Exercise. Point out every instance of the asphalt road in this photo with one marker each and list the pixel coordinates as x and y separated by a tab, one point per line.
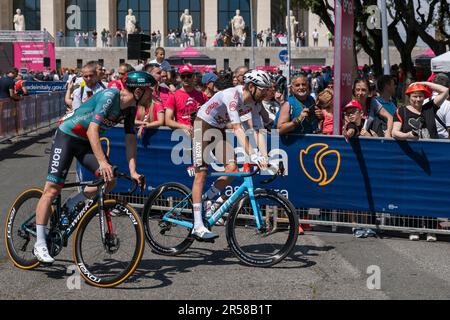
324	265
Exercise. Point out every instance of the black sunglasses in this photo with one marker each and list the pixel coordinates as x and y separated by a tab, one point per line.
187	76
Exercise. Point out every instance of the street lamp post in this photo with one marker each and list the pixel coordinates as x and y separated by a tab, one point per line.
289	31
384	28
253	64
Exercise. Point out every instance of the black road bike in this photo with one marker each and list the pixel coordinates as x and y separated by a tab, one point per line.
108	242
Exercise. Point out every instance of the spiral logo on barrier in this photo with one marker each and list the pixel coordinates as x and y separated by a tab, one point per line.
108	145
320	156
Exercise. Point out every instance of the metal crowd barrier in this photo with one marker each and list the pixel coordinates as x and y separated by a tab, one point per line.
426	160
342	218
30	114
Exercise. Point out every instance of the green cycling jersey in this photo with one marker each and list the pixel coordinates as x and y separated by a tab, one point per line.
102	109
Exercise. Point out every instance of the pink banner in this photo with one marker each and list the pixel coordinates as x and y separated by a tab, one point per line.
347	52
344	10
31	55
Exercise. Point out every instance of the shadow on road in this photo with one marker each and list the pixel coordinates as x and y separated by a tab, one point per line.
9	152
164	269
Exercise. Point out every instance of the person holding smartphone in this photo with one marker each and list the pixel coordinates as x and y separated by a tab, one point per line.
89	86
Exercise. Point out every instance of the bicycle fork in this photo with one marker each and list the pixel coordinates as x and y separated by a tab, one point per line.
104	215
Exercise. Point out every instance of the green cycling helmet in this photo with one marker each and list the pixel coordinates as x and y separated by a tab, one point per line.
139	79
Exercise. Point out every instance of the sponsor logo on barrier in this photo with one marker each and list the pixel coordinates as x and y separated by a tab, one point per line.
44	87
320	155
108	145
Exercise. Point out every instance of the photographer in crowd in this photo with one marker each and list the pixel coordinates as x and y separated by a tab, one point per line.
300	115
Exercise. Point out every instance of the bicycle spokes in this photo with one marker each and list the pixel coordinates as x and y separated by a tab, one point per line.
269	241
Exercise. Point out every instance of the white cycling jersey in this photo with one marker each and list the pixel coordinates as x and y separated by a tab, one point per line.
227	107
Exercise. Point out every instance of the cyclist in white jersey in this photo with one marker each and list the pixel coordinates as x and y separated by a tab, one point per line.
222	111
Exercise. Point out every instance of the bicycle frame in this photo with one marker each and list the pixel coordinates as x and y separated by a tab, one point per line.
99	198
247	185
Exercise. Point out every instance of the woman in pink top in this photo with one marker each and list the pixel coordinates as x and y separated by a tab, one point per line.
149	117
325	102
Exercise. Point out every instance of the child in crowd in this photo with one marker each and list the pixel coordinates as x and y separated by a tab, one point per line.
353	120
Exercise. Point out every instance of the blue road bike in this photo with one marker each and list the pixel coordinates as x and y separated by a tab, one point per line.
261	225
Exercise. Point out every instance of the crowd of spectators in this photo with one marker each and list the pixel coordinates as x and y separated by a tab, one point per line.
184	39
196	38
382	106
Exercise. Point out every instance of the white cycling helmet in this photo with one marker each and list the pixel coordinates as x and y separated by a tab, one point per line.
259	78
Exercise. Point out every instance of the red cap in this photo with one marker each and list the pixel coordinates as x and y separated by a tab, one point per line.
419	87
187	68
354	104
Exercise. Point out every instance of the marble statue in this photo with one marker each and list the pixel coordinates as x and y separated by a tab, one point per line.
238	24
130	22
186	19
19	21
290	20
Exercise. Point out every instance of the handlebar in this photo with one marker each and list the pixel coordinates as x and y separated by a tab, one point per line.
245	174
117	174
280	173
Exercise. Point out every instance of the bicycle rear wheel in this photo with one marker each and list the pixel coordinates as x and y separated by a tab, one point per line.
109	264
273	241
167	238
20	229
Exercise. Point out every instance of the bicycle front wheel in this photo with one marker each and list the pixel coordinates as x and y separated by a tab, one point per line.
276	237
168	238
110	262
20	229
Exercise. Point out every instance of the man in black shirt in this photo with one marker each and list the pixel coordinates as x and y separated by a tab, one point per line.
7	86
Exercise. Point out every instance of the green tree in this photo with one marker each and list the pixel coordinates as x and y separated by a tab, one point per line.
411	15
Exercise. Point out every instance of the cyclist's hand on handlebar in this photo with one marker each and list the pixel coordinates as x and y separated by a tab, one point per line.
140	179
259	160
106	171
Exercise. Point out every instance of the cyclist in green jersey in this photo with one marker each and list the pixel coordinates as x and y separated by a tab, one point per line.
79	136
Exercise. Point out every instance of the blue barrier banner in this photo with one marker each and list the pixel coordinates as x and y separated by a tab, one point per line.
371	175
35	87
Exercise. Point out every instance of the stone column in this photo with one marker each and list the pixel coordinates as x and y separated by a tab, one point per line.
7	12
211	16
158	18
53	14
314	22
263	18
105	15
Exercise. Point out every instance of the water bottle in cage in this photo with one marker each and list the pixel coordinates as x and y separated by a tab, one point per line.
216	205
